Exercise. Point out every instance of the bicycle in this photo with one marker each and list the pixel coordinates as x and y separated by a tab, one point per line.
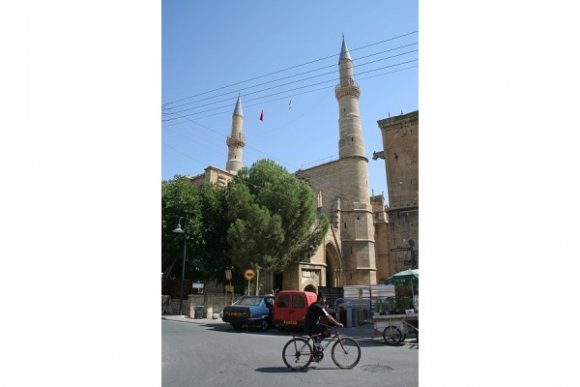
298	353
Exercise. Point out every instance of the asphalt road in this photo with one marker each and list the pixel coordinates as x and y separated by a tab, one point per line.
214	354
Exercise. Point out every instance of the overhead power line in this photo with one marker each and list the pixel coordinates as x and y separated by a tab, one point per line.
334	79
170	111
167	104
174	114
313	179
333	66
227	109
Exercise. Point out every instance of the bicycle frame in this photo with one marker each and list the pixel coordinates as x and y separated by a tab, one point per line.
298	352
330	339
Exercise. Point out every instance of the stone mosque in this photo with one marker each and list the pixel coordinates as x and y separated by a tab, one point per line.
367	241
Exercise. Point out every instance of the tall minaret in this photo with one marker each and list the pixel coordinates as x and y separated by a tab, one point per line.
357	228
351	144
236	140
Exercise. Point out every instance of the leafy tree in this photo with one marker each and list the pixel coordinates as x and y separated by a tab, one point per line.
265	219
204	221
273	218
179	200
212	254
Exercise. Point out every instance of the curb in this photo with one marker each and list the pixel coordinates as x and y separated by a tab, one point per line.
185	318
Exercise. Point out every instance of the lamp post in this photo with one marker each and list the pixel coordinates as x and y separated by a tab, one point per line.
179	230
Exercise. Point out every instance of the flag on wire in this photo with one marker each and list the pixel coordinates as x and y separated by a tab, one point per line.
262	116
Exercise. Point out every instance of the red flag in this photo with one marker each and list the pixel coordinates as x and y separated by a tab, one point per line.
262	116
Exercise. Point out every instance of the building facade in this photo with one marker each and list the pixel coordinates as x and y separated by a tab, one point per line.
348	255
401	154
355	250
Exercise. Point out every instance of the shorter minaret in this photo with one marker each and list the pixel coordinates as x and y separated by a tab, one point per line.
236	140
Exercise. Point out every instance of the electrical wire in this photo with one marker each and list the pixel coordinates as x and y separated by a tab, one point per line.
290	68
318	181
288	77
334	80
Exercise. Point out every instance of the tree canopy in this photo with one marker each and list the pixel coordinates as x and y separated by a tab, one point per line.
202	211
264	219
274	219
180	203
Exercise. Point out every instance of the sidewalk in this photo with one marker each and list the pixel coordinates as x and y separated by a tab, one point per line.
363	332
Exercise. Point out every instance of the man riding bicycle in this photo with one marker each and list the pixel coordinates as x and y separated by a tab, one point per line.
313	314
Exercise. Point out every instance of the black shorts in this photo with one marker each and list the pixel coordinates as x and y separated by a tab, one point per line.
320	328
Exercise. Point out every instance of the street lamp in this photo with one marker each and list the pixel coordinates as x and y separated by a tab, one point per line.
179	230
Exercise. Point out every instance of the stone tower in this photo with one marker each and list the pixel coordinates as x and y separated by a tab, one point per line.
236	140
347	255
401	154
357	228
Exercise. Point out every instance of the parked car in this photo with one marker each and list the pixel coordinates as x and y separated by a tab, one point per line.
290	308
250	311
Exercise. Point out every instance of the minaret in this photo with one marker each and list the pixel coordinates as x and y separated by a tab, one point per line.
357	228
236	140
351	142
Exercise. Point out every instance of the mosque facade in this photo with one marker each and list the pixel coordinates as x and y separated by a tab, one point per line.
359	248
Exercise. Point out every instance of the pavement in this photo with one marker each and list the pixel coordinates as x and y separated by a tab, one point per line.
363	332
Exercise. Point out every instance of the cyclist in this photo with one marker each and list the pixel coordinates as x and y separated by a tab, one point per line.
311	320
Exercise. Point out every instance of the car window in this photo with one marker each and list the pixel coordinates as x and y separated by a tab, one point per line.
283	301
250	301
298	301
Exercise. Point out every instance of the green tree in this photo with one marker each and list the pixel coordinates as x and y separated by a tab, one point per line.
212	253
179	200
264	219
273	218
202	210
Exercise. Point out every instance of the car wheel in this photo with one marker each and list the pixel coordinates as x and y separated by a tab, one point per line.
264	325
237	326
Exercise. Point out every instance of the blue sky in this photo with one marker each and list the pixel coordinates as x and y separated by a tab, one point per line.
271	54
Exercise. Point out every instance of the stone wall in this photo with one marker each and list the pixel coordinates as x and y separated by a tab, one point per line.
401	153
212	303
342	186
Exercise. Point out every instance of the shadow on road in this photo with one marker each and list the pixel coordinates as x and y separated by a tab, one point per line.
286	370
275	370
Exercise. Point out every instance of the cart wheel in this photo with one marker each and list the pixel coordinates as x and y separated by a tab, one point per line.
403	337
392	335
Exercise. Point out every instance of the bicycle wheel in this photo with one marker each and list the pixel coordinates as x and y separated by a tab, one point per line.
392	335
346	353
297	354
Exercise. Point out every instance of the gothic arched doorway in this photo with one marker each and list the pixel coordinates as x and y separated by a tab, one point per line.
333	267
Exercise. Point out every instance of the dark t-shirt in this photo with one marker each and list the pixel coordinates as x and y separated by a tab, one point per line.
314	312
